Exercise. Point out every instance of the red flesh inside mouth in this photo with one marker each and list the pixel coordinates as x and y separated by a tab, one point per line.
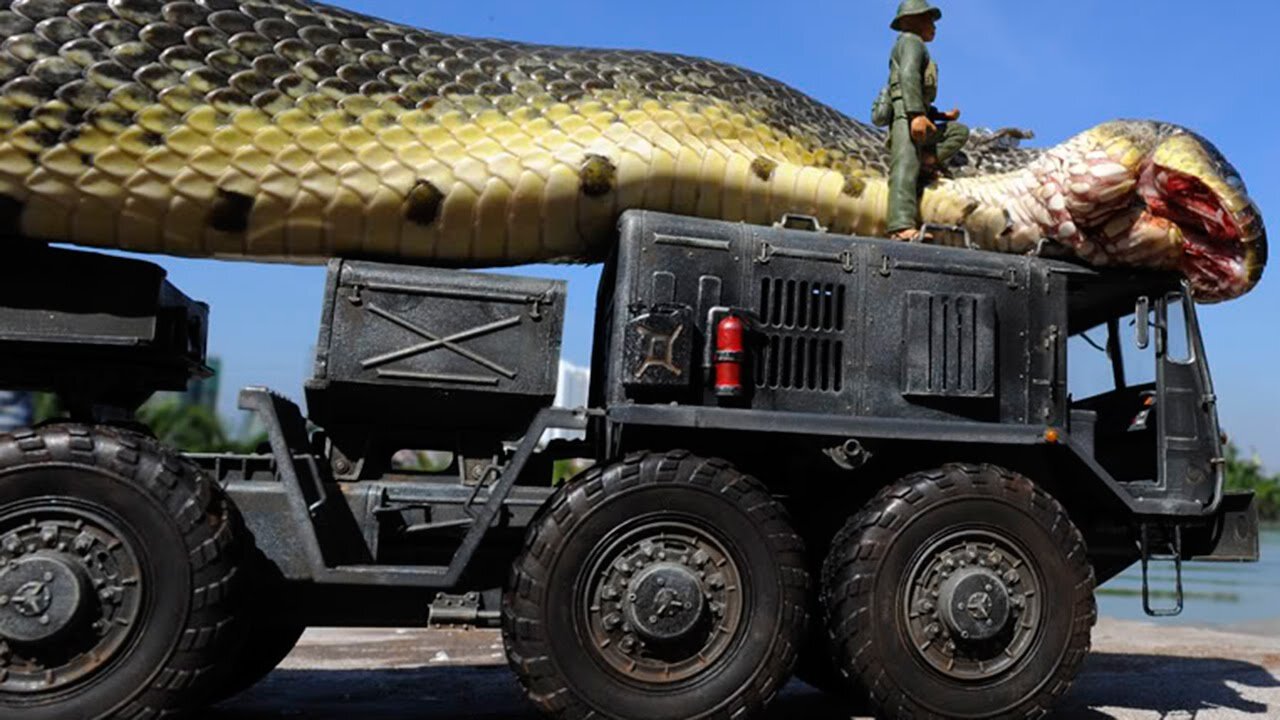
1214	258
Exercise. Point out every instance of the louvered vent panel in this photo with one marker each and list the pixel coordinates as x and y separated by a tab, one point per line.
802	322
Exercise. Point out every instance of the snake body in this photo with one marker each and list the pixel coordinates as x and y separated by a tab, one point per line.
288	130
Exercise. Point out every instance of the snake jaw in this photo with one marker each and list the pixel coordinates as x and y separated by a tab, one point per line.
1186	184
1130	194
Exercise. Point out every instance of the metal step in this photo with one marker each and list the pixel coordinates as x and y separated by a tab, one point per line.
1174	556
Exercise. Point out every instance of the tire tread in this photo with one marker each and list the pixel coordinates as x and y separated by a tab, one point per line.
849	568
206	519
528	651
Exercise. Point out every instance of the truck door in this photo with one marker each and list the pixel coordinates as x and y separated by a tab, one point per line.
1190	443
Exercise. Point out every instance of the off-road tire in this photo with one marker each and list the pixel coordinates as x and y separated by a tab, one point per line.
564	675
266	637
863	607
817	669
185	532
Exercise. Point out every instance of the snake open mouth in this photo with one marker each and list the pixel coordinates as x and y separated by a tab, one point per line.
1223	250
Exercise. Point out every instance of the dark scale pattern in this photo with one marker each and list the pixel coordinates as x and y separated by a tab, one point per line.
236	54
288	129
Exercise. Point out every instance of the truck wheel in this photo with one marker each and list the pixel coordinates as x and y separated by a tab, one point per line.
267	646
817	669
267	637
118	576
963	592
662	587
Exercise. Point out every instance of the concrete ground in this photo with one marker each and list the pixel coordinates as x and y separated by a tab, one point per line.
1137	671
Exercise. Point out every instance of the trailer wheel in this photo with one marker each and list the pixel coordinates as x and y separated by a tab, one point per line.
662	587
118	576
963	592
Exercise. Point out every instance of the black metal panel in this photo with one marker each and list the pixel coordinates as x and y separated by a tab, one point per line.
1235	537
96	328
849	325
1191	458
950	349
435	348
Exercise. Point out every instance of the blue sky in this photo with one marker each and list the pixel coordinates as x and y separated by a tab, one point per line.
1055	67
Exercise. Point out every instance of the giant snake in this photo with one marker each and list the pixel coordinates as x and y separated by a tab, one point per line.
288	130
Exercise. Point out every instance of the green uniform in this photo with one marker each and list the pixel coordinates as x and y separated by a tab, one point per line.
913	88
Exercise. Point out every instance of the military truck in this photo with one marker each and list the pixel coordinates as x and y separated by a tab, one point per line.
856	457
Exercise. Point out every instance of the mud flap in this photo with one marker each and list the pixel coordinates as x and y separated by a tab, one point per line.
1234	538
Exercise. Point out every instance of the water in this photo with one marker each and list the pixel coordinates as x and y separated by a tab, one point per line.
1237	596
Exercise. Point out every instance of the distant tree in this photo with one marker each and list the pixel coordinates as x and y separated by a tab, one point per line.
191	428
1247	474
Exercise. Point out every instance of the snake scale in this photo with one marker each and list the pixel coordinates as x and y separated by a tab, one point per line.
294	131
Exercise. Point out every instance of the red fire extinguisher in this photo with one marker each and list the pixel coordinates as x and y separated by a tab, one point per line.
730	352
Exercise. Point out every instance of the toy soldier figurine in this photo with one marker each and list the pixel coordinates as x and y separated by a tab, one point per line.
915	141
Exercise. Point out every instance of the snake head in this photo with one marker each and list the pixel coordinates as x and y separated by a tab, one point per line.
1195	197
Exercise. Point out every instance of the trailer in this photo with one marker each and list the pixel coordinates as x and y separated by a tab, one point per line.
850	458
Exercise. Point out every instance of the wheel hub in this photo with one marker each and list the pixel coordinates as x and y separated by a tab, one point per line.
662	601
972	604
975	603
70	594
665	602
41	595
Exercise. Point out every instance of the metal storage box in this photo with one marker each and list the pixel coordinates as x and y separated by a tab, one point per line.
422	347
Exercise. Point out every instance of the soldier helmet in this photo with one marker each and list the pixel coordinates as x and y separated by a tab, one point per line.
914	7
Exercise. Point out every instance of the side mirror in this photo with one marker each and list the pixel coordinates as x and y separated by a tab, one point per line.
1142	317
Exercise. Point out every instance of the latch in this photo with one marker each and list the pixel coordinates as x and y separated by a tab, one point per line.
797	221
